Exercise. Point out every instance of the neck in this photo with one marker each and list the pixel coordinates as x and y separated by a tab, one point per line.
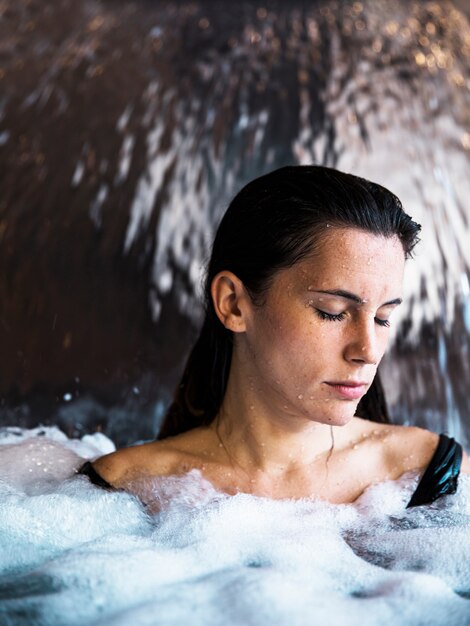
259	433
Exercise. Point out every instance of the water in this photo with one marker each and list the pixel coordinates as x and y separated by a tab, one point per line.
101	251
72	553
125	128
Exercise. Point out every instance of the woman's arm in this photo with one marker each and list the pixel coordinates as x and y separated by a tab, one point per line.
150	459
465	467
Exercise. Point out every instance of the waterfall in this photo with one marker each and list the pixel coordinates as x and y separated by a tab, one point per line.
125	128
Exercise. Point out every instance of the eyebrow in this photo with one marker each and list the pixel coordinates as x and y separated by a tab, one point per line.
352	296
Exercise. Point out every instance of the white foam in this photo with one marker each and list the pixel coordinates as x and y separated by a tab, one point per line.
72	553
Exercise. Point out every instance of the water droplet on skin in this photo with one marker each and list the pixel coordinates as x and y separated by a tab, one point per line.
252	406
300	396
310	288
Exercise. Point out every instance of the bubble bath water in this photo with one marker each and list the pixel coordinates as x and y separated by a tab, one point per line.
74	554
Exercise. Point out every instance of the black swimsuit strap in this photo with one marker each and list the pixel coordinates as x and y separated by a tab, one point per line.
441	475
87	469
439	479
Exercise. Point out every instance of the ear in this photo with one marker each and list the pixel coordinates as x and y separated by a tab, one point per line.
231	301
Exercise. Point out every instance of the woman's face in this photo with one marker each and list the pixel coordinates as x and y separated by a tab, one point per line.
312	349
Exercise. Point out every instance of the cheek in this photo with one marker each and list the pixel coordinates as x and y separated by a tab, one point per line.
266	337
294	340
310	346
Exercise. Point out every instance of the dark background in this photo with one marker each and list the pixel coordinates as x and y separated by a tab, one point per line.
125	127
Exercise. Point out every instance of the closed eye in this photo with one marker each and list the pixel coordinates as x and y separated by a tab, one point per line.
382	322
330	316
337	317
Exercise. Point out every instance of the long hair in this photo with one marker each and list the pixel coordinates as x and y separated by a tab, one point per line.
272	223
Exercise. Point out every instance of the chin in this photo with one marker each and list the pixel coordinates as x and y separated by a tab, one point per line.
340	417
341	420
344	413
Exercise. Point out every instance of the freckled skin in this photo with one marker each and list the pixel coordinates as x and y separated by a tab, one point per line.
290	351
272	436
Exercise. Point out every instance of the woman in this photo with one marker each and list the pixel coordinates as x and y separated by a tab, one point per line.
280	396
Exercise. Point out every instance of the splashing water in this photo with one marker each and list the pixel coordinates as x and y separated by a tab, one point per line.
168	129
74	554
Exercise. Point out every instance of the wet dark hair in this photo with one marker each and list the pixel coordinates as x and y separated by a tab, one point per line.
272	223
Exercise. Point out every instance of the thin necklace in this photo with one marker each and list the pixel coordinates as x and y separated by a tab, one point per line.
235	462
230	457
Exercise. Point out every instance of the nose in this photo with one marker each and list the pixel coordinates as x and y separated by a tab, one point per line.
363	346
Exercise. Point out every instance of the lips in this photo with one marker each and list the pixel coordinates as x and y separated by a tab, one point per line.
349	390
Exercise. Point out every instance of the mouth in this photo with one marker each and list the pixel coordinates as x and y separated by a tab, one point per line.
349	390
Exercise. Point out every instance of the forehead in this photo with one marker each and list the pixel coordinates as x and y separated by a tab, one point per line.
345	258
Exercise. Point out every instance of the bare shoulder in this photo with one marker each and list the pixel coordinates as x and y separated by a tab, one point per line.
420	444
400	440
410	448
157	458
465	467
174	455
413	440
398	449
